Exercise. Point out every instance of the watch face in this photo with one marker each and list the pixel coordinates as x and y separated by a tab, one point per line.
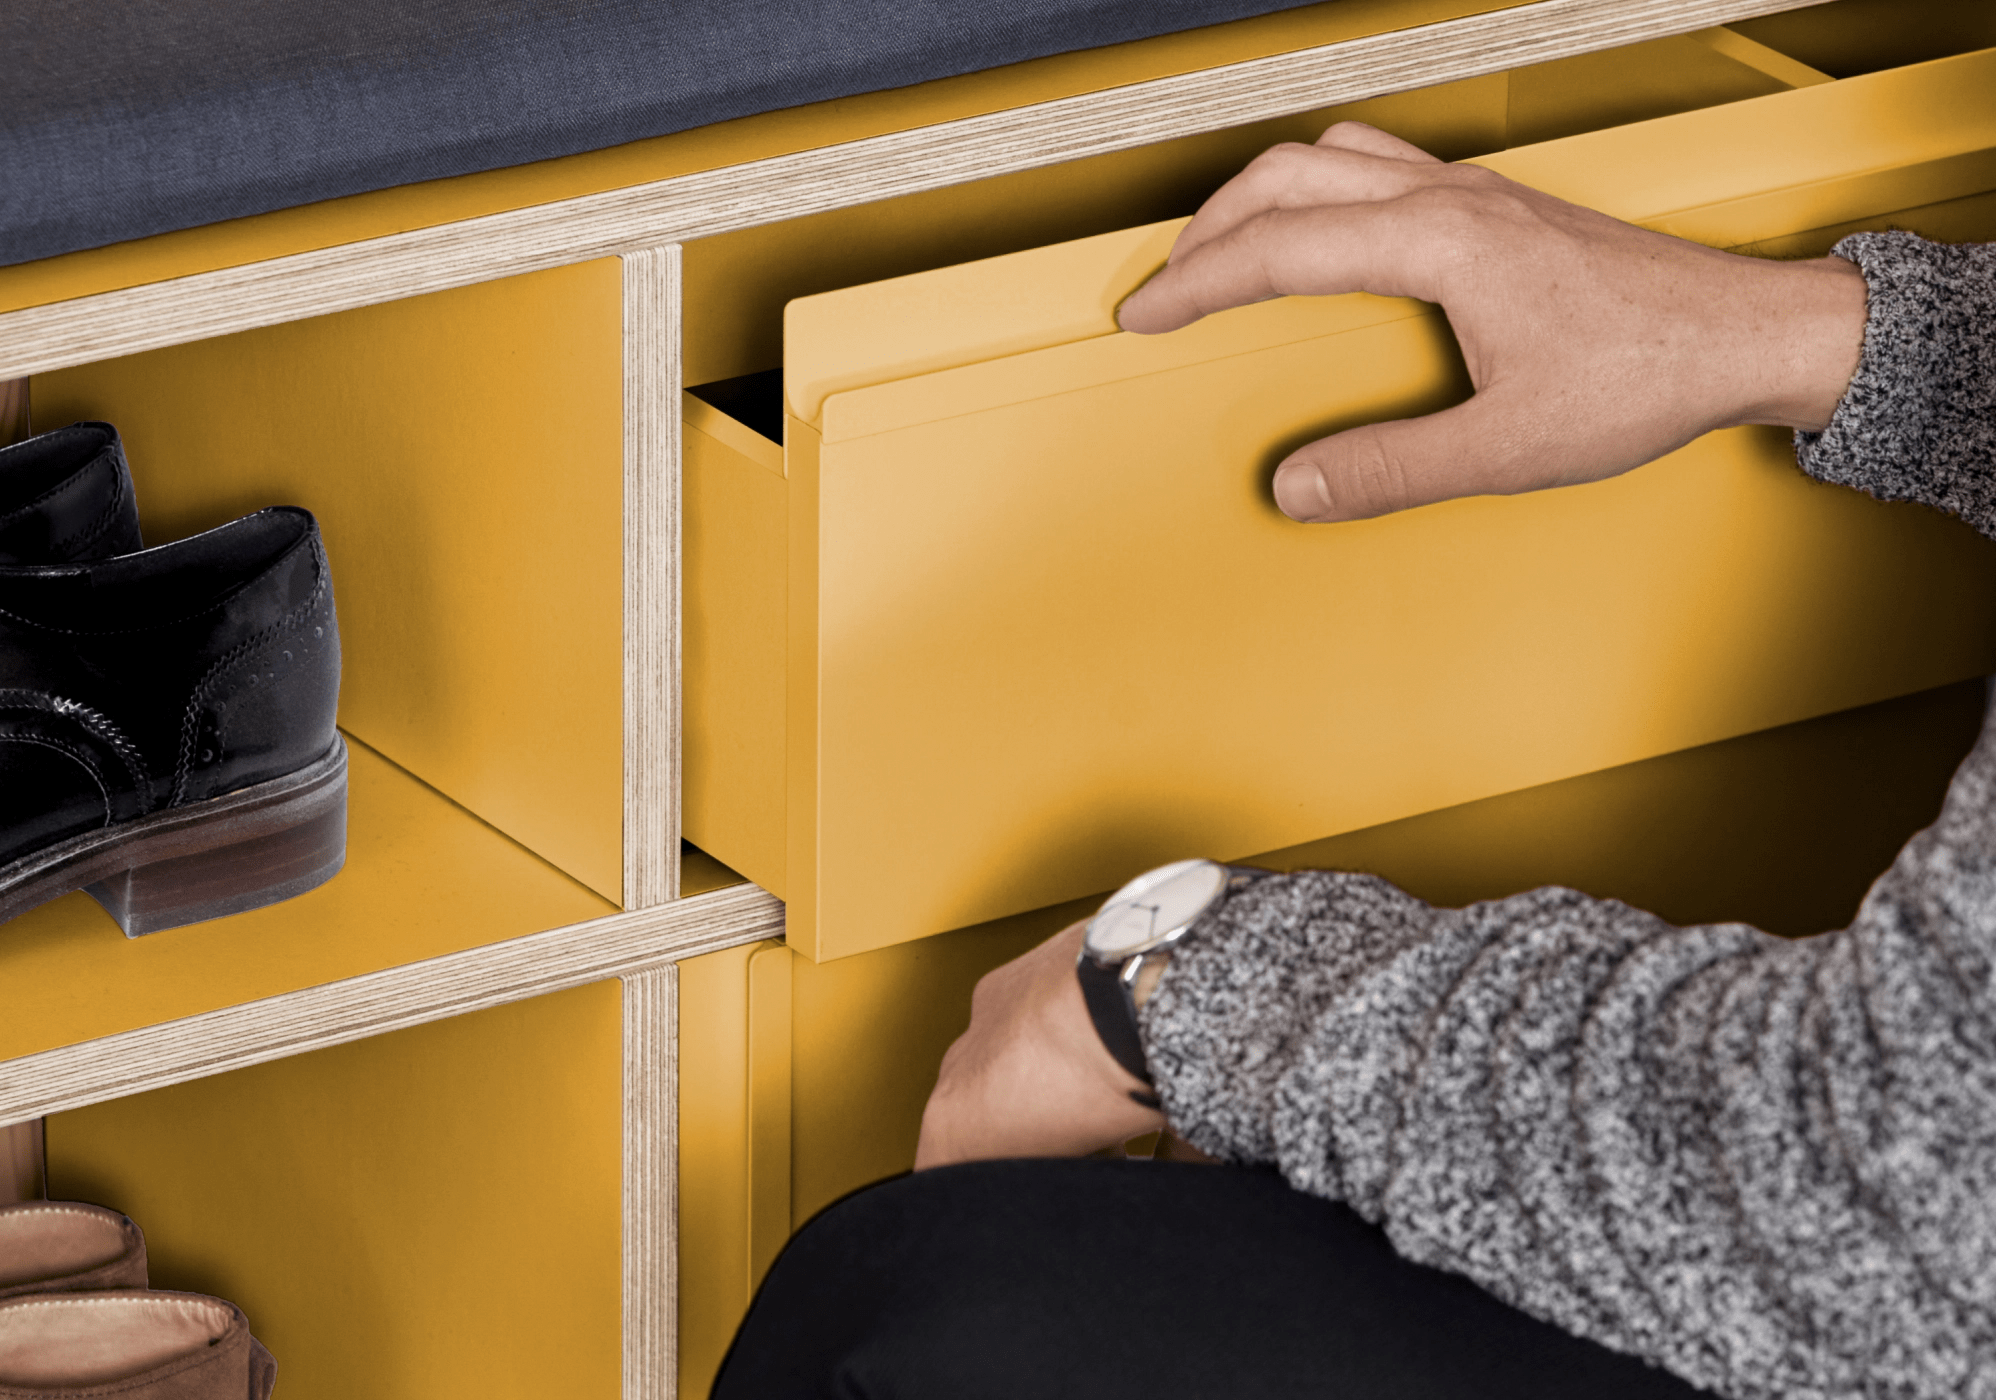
1153	906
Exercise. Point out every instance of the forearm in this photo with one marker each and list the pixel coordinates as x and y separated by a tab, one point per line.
1761	1163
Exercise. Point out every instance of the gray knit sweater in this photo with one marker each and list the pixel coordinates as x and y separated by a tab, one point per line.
1769	1166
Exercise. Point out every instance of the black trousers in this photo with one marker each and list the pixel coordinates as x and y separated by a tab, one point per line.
1151	1280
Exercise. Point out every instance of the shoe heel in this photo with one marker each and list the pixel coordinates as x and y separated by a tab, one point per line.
254	848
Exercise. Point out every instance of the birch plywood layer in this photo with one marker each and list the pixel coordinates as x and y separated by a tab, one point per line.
647	216
214	1042
651	1176
651	576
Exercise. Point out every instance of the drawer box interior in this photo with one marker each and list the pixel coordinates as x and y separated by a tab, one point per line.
1040	626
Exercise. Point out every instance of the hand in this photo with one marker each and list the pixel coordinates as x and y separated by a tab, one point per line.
1030	1078
1594	346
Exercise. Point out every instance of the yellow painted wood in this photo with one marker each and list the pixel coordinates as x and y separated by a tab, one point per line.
463	453
868	1034
769	1017
1964	220
1802	159
733	639
383	212
1070	664
1792	72
1784	829
715	1134
423	877
1645	81
426	1215
700	872
1849	37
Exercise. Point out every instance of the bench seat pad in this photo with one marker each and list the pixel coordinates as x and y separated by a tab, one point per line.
123	118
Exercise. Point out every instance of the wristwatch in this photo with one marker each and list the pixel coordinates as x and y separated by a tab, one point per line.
1128	945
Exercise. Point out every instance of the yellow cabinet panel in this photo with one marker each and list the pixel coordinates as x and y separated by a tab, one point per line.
464	454
734	1143
1784	829
733	546
1045	627
431	1214
1643	81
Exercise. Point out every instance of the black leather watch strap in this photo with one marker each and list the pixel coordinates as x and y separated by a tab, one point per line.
1114	1016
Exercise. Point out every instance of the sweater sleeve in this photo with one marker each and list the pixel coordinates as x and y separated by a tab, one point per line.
1769	1165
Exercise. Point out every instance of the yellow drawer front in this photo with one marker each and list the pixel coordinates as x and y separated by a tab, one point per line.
1045	627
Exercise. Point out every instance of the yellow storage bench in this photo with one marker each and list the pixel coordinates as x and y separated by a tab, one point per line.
931	619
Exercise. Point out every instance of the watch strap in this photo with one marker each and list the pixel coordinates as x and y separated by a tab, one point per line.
1115	1017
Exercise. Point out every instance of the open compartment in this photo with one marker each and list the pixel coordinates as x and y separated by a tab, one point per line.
463	453
1027	562
432	1214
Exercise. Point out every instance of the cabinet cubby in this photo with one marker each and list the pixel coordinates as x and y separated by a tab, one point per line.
432	1214
463	453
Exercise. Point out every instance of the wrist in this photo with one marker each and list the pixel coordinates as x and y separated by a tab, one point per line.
1804	334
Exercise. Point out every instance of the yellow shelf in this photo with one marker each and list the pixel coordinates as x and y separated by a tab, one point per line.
423	877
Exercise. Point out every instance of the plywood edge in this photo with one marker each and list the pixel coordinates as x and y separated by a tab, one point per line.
355	1008
651	1184
36	339
652	500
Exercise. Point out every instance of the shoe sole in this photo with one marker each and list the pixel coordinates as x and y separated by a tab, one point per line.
226	855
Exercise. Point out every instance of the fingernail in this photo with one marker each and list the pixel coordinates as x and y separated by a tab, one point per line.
1299	491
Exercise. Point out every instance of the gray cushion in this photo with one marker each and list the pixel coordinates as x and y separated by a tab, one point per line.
122	118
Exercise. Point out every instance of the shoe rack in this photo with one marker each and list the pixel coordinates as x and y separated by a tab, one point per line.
530	1095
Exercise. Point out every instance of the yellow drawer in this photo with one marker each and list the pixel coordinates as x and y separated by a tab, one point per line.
1011	614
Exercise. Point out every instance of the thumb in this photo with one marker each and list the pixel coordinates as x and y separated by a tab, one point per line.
1474	449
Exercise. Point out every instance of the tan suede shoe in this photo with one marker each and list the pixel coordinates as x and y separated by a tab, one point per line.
68	1247
131	1344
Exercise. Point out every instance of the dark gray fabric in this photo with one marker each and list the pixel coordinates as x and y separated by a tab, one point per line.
121	118
1769	1166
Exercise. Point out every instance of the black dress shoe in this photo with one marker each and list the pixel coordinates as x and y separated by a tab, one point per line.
166	726
67	495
